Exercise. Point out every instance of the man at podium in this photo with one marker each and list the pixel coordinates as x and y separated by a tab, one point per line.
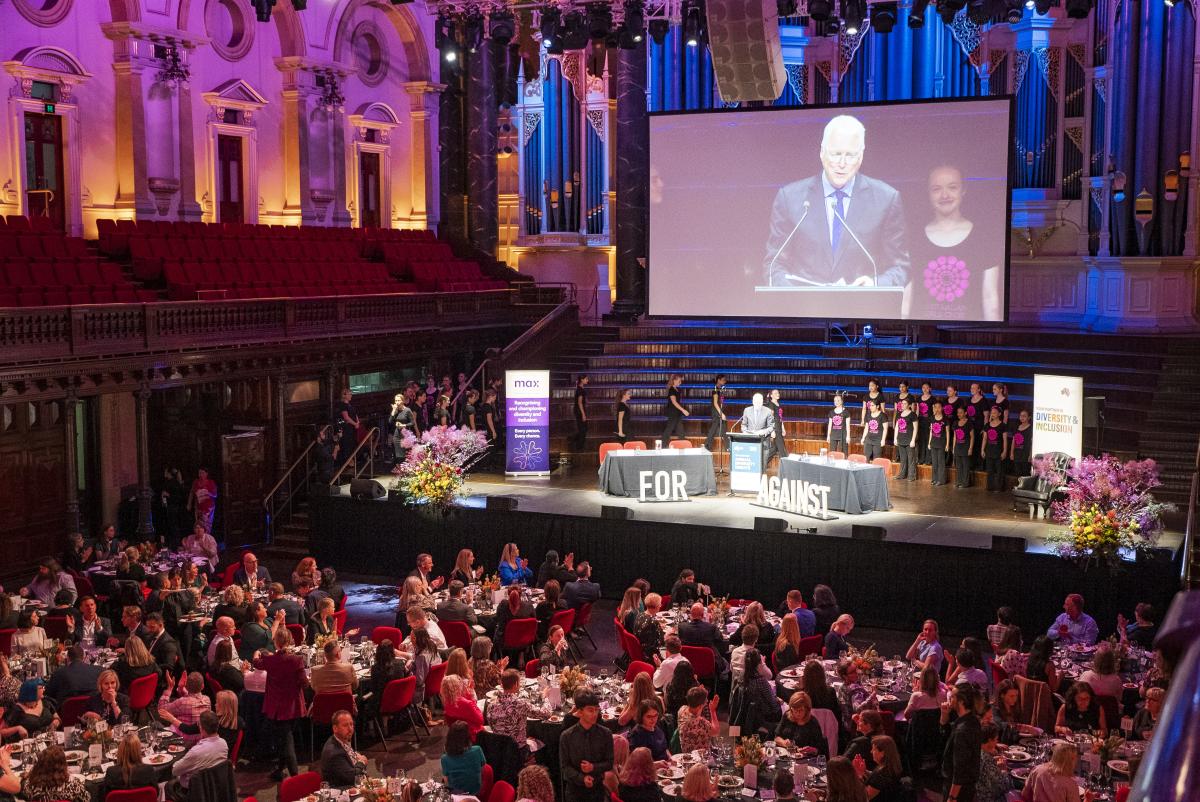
748	448
757	419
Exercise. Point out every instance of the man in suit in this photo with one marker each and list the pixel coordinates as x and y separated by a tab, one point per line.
293	612
583	589
76	678
838	228
335	675
251	574
89	625
340	762
424	572
162	647
698	632
960	758
455	609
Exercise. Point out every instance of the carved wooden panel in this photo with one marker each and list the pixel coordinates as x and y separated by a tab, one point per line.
243	469
32	485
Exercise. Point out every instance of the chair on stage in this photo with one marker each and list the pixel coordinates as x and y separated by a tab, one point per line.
836	455
885	463
680	444
607	447
635	445
858	458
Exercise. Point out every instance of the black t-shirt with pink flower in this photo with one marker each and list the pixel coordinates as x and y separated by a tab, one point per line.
938	433
924	407
948	282
906	428
993	440
839	425
977	411
1022	443
874	428
960	434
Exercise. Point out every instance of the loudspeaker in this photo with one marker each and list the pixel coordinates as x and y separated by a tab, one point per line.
862	532
616	513
1093	410
770	524
1015	545
747	59
505	503
367	488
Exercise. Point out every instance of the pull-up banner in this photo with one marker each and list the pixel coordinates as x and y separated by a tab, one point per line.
527	422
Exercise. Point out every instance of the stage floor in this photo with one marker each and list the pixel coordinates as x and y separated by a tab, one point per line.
920	512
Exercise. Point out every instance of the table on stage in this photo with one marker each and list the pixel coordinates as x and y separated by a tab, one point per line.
854	487
621	472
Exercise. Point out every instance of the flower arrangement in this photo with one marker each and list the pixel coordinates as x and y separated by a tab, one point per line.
1108	748
748	752
865	659
1108	508
571	680
320	640
375	790
718	610
97	732
491	584
437	464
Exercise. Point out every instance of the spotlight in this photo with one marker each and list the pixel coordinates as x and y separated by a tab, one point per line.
262	10
916	15
444	38
691	27
1041	6
501	26
1029	4
868	332
786	8
883	17
853	14
947	9
820	10
1169	3
978	11
473	32
633	30
574	35
548	26
599	21
1015	11
658	30
1079	9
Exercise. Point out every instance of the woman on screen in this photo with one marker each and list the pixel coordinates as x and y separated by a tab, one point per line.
947	281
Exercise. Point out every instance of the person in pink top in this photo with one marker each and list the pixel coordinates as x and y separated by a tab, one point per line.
283	701
203	499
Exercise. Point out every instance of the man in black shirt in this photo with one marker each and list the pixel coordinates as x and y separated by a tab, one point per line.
585	753
326	454
400	420
960	760
345	418
716	421
579	409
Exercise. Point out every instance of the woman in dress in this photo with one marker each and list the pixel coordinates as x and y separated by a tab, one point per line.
1080	712
32	714
928	692
816	685
946	282
135	663
799	729
675	411
106	703
697	720
825	608
462	763
754	614
994	782
321	624
682	681
257	633
623	416
939	441
513	570
385	669
1020	445
203	499
485	671
424	657
882	784
29	637
995	446
630	606
49	781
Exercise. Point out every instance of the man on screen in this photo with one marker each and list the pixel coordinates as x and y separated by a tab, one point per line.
838	228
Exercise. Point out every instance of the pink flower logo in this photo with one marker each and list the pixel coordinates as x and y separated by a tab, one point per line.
960	435
970	410
946	278
992	435
936	428
837	421
873	425
901	425
1018	439
924	408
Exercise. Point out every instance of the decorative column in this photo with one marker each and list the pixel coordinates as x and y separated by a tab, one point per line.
131	58
483	204
423	97
633	167
71	458
280	427
298	86
189	192
141	404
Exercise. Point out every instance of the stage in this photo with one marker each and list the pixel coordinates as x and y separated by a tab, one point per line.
935	561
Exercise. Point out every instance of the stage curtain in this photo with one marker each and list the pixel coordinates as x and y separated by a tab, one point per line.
887	584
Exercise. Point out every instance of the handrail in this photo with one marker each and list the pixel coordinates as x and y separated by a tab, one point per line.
1189	529
288	472
275	508
352	459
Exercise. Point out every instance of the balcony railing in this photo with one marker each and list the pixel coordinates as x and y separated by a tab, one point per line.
62	332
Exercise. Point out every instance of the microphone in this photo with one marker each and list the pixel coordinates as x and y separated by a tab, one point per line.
850	231
791	234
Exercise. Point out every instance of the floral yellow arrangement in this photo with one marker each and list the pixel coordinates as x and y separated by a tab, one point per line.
437	464
571	680
94	733
490	583
748	752
320	641
863	659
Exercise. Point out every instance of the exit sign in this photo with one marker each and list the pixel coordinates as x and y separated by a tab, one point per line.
49	108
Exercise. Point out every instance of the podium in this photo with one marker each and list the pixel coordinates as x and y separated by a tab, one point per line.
747	460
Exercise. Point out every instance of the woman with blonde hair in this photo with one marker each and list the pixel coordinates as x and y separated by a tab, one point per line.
233	605
106	703
754	614
457	665
129	771
787	645
534	785
464	568
642	690
638	778
512	569
135	663
412	593
698	784
630	606
1054	781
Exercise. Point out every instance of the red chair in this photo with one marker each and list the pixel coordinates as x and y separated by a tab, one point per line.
631	645
300	786
380	634
857	458
433	680
811	645
6	636
55	626
885	463
398	701
72	709
230	570
583	617
519	636
298	634
142	692
147	794
704	662
607	447
339	621
324	705
237	748
214	685
680	444
533	668
636	445
487	779
638	667
458	634
502	792
998	673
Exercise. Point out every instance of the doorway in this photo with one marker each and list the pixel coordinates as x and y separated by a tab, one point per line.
44	168
231	196
368	190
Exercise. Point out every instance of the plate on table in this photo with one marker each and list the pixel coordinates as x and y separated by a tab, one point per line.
156	760
1018	756
94	776
76	755
1130	686
1022	774
672	789
685	758
670	773
790	684
175	749
809	771
556	718
888	697
730	782
791	672
1119	766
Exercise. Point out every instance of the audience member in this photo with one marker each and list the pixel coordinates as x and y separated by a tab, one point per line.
582	590
1143	630
48	780
209	751
666	669
696	721
806	619
460	705
647	732
454	608
509	712
341	763
48	581
995	632
513	569
638	778
994	782
960	759
1073	625
31	715
283	703
825	608
534	785
798	728
1080	712
555	650
585	753
685	591
335	675
1102	676
76	678
129	771
926	649
835	640
463	761
105	703
551	568
1054	781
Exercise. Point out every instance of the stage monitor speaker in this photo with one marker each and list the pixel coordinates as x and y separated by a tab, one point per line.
1093	410
504	503
616	513
1014	545
367	488
863	532
770	524
747	58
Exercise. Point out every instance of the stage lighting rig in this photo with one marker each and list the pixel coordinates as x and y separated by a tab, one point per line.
551	17
883	17
854	12
1078	9
820	10
262	10
916	15
599	21
1014	12
786	8
658	30
691	26
502	26
573	34
1042	7
473	31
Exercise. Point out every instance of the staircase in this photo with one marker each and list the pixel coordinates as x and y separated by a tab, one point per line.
291	542
1172	425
